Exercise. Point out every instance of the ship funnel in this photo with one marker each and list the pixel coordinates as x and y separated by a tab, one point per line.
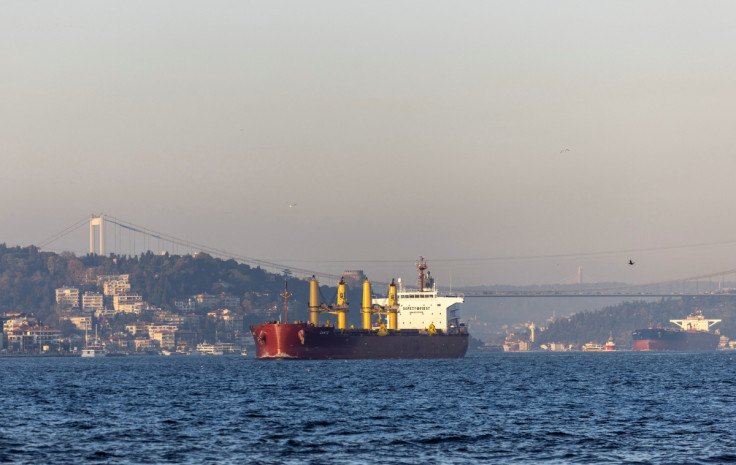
367	304
314	308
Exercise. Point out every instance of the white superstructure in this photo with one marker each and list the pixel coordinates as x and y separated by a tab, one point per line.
695	322
424	307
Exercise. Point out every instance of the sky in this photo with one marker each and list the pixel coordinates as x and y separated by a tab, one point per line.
507	142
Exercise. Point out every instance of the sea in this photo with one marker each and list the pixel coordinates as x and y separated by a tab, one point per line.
494	408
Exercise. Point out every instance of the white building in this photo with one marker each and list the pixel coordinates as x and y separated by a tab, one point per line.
68	297
116	287
28	337
92	301
127	303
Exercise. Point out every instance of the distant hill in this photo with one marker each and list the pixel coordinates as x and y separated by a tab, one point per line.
29	279
620	320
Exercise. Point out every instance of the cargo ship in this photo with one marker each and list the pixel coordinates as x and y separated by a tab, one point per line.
693	333
407	324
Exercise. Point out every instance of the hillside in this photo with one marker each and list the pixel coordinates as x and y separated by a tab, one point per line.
29	278
622	319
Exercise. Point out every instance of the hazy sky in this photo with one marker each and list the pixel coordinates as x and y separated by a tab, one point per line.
399	129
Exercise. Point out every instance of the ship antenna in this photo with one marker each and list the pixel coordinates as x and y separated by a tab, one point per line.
421	266
286	294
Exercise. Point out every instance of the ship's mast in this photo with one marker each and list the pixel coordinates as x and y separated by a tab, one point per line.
421	266
286	294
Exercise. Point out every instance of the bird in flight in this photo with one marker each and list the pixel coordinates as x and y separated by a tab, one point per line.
292	205
631	262
564	150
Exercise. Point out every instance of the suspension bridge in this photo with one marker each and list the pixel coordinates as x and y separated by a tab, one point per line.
117	236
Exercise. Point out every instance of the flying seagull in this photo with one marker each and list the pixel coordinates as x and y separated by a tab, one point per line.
631	262
292	205
564	150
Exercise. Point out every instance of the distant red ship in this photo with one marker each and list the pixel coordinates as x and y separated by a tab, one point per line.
420	324
693	334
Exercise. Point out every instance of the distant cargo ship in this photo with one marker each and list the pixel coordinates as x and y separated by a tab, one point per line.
693	334
594	347
420	324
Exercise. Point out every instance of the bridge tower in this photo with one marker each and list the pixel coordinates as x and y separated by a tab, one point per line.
99	222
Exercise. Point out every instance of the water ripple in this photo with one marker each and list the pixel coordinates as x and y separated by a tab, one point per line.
495	408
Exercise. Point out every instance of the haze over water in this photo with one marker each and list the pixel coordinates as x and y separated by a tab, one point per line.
648	408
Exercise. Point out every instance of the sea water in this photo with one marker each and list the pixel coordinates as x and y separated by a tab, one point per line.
624	407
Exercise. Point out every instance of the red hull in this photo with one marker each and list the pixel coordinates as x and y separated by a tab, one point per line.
303	341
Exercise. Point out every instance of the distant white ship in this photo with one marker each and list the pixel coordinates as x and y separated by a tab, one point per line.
592	347
96	349
220	348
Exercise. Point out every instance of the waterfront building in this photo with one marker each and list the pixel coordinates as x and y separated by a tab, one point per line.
25	338
166	339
